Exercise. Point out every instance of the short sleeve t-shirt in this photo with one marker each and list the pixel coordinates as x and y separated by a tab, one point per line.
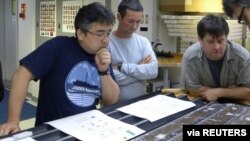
69	80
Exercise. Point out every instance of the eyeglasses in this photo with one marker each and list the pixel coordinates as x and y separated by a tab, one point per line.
240	21
101	35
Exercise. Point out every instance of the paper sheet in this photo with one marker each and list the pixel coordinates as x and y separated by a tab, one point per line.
156	107
94	126
27	139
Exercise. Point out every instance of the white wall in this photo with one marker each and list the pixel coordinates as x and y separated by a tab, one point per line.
26	29
2	40
114	7
16	37
150	21
10	39
26	36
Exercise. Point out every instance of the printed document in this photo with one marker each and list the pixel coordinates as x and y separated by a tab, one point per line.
156	107
96	126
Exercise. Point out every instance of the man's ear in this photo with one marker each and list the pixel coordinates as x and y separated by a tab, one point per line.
119	17
79	34
199	39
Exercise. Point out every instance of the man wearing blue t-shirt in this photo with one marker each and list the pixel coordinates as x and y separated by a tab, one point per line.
74	72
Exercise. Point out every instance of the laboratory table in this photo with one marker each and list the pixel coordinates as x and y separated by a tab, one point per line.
168	128
166	63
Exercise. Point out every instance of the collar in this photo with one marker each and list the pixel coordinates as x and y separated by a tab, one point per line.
228	54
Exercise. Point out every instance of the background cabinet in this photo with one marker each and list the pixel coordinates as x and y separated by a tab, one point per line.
208	6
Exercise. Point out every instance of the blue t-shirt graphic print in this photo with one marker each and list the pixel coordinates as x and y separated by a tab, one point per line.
69	80
83	84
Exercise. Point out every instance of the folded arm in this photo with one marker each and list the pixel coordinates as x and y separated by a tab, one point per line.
147	68
128	73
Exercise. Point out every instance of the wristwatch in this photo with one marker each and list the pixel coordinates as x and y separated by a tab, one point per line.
106	72
119	66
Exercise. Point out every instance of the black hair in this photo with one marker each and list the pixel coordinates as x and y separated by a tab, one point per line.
133	5
216	26
228	5
93	13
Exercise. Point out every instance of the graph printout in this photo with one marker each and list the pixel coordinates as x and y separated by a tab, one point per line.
96	126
